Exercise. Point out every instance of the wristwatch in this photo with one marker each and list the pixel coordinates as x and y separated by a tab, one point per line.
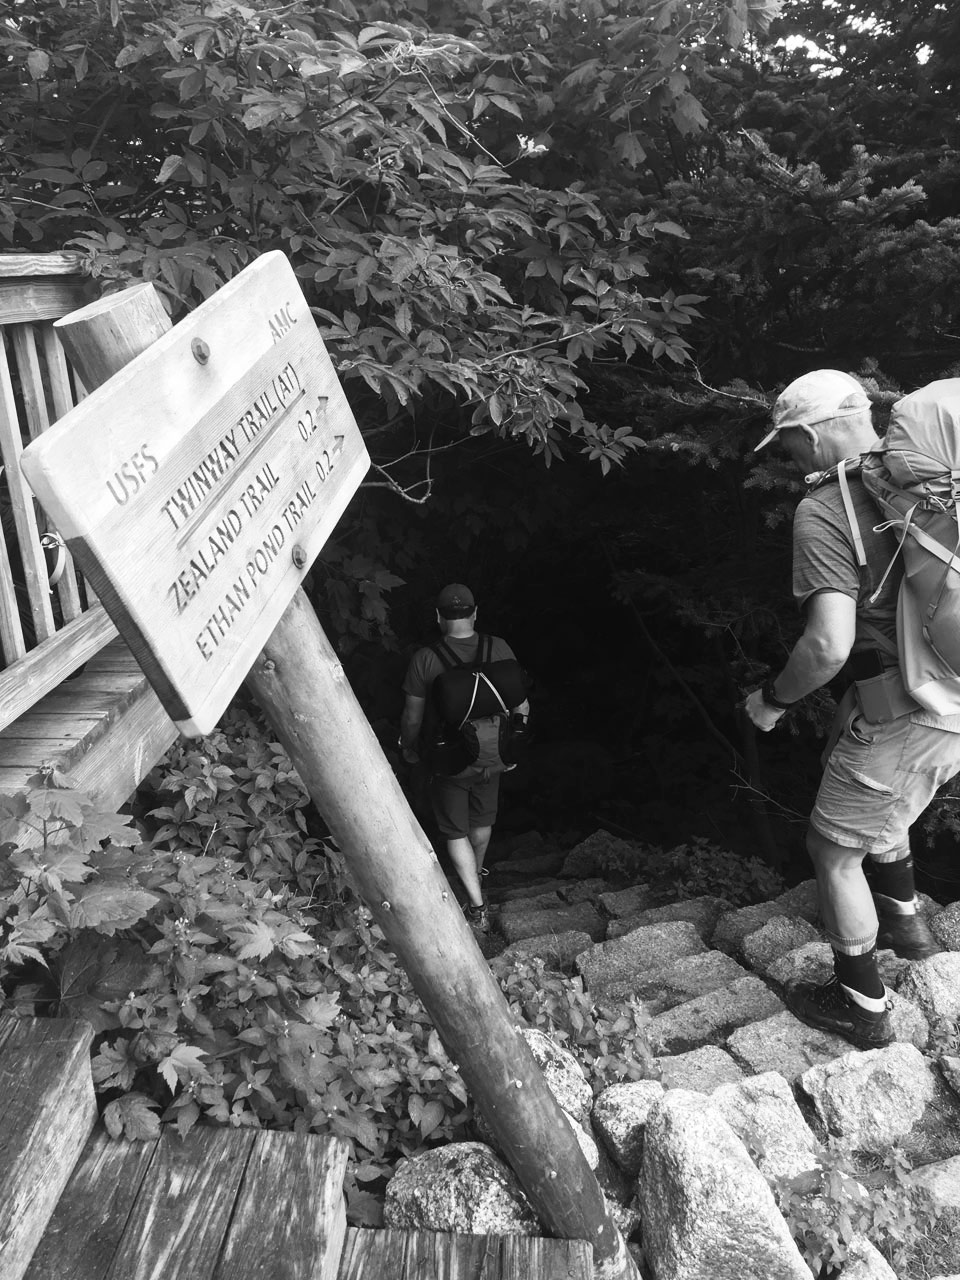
770	698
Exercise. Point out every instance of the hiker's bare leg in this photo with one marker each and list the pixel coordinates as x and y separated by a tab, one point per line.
460	849
846	902
480	838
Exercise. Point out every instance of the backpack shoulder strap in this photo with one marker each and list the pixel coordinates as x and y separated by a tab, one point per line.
851	514
447	657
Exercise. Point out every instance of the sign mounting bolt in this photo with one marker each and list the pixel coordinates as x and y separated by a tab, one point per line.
299	556
201	352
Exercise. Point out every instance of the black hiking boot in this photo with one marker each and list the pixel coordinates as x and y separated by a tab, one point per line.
830	1009
908	936
478	918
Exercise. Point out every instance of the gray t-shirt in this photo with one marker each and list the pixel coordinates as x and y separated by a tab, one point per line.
425	666
825	558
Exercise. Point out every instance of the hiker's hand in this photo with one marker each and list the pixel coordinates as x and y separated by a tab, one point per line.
760	713
409	755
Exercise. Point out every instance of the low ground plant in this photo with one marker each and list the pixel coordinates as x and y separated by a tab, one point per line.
832	1205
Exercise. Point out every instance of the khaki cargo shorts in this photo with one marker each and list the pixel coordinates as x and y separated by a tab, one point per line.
878	780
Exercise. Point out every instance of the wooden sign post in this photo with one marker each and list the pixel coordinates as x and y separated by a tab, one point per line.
296	677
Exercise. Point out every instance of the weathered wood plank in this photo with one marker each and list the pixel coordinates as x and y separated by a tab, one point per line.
27	301
111	768
24	751
289	1222
61	399
22	502
522	1257
117	727
177	1226
11	629
43	669
418	1255
12	644
47	1111
17	265
86	1229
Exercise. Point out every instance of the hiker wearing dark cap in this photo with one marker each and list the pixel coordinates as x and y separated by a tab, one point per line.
887	756
465	805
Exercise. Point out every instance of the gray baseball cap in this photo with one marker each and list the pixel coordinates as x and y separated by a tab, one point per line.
815	397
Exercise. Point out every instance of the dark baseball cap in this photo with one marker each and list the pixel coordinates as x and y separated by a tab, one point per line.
455	601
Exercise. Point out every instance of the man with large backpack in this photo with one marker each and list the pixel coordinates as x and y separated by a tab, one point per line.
465	706
889	754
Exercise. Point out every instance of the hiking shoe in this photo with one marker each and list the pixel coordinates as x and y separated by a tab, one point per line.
478	918
830	1009
908	936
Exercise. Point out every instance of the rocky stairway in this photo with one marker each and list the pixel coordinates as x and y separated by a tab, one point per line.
739	1094
217	1204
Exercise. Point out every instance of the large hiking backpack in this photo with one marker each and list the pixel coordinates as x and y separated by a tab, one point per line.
470	712
914	478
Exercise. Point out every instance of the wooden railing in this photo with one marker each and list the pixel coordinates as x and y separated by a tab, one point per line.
46	631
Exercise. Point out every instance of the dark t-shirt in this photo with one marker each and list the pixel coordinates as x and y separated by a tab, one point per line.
825	557
425	666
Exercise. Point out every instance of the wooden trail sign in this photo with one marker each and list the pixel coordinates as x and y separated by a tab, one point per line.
196	487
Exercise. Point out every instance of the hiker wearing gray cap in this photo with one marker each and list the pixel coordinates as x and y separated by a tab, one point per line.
886	758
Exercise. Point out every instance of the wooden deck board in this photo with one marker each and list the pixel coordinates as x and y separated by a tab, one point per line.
223	1204
290	1222
105	728
47	1111
181	1213
87	1227
426	1255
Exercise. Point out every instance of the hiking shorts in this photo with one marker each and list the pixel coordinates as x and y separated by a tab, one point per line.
878	780
462	804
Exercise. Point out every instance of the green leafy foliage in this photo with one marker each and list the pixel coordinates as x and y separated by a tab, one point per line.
64	868
827	1208
376	146
698	868
608	1039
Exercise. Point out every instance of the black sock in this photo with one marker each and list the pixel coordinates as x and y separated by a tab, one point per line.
893	879
860	973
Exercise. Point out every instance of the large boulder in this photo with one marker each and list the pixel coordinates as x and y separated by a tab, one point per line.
700	1070
557	950
612	969
774	939
685	979
706	1210
711	1017
620	1115
734	926
524	921
703	913
934	985
461	1187
563	1074
783	1044
764	1115
872	1100
945	926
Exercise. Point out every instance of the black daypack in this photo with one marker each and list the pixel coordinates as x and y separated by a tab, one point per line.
471	703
